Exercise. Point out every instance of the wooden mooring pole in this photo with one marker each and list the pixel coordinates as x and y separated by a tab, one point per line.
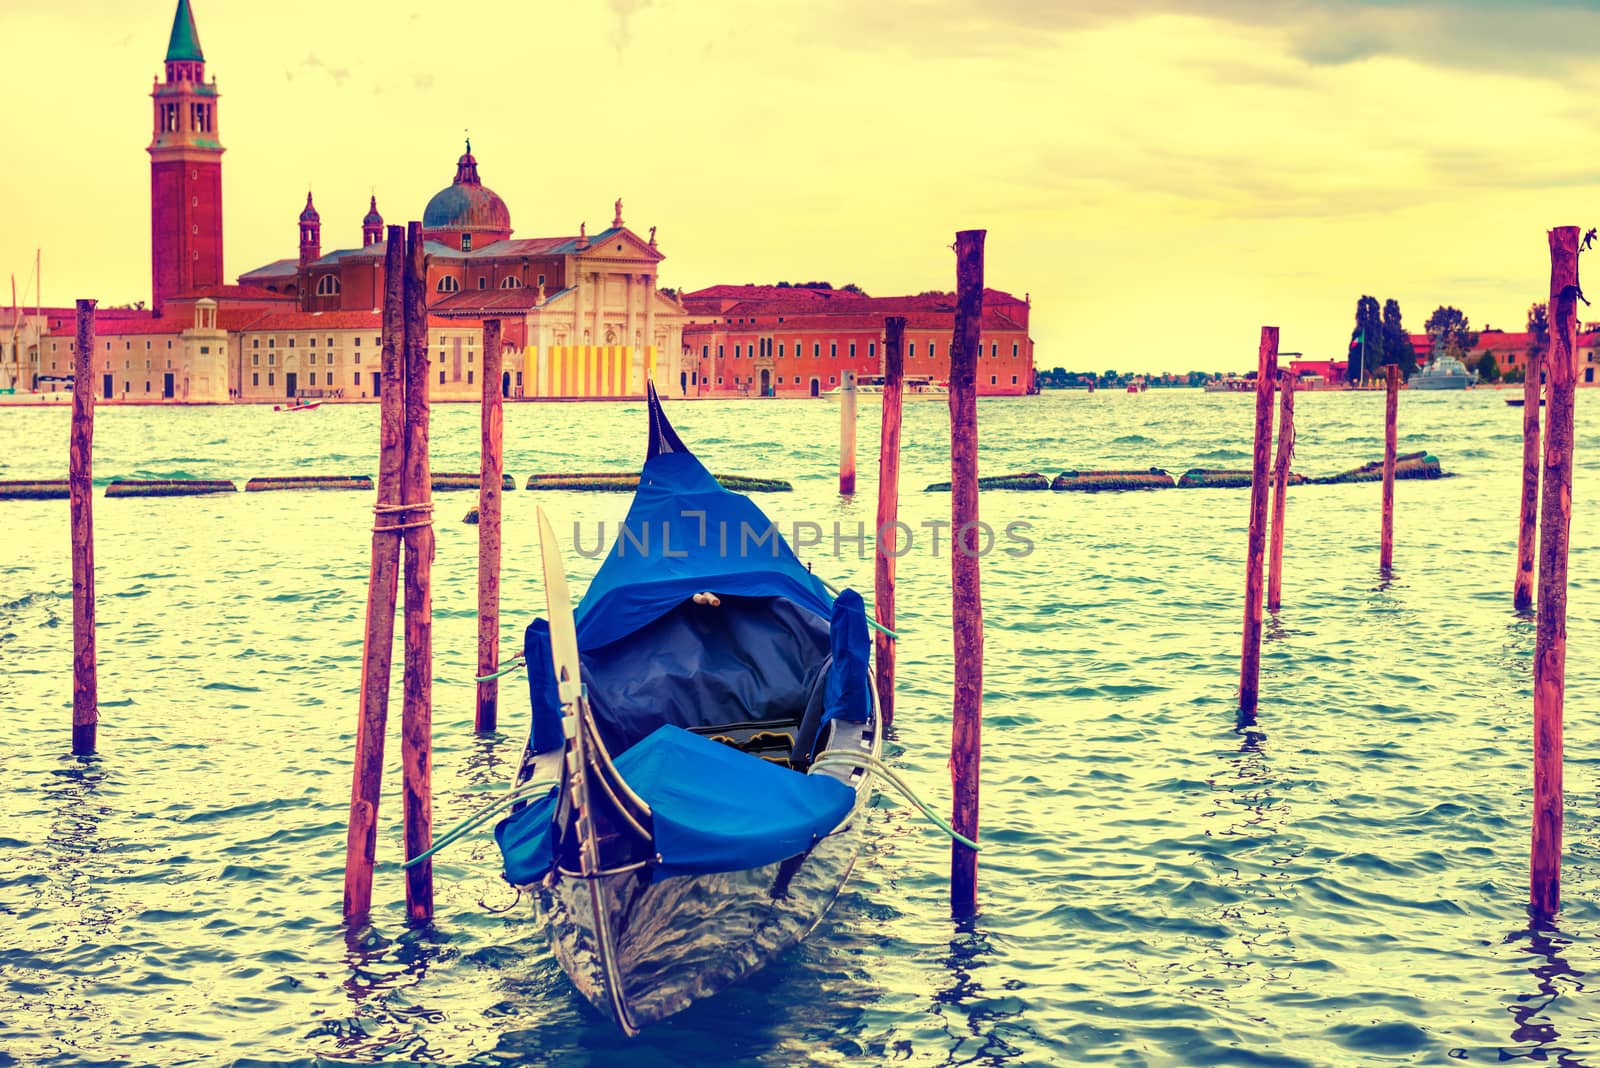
80	477
847	433
1250	657
1391	407
416	725
1555	520
489	491
382	582
966	602
1280	489
888	537
1528	525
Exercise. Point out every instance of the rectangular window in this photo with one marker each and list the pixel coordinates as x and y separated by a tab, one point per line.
1014	382
736	350
780	350
833	348
911	348
330	342
147	344
852	350
355	379
1013	348
313	359
272	359
255	343
992	380
441	377
255	378
705	352
313	378
358	360
994	349
816	349
147	385
271	378
872	349
169	344
469	378
358	345
272	342
291	343
126	345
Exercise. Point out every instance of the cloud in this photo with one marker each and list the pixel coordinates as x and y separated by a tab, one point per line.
1530	37
314	64
624	10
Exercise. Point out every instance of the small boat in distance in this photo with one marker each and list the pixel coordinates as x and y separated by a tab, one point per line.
1445	372
1518	402
910	386
1231	384
297	406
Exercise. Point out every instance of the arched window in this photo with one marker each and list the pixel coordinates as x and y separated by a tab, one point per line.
448	284
510	281
328	285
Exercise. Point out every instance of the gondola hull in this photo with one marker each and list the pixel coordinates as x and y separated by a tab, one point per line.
677	940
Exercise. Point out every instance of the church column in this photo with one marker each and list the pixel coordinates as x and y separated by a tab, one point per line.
579	291
628	328
650	315
599	308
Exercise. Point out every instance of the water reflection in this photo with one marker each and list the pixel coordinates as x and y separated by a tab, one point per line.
973	1018
1535	1037
381	972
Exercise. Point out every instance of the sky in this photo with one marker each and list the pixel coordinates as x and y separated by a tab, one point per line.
1162	178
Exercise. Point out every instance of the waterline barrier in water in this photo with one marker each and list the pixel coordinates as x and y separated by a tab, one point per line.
308	482
628	481
168	487
1410	465
1096	481
466	480
1027	480
35	489
1226	478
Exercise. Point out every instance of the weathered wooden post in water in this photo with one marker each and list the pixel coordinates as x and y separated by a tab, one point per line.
966	603
1280	489
489	491
1527	529
1555	520
416	725
847	433
80	489
1250	658
888	509
1391	406
382	582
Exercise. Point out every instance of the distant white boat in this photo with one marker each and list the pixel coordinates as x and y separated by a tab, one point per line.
910	385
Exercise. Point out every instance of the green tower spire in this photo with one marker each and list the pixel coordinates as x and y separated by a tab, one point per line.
185	41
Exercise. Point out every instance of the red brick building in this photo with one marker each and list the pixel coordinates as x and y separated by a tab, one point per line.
185	171
797	342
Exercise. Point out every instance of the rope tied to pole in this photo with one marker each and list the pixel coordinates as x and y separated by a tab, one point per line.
874	766
423	507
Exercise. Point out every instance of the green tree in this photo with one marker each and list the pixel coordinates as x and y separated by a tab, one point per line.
1451	332
1538	331
1397	348
1366	340
1488	368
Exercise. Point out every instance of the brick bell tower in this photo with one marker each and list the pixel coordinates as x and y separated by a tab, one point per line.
185	171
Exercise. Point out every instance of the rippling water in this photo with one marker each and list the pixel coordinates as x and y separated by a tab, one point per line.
1342	884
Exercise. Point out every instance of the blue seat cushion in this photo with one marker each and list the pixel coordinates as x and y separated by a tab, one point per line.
714	809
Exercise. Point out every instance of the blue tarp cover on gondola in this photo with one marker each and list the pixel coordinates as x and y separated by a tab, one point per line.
734	812
684	533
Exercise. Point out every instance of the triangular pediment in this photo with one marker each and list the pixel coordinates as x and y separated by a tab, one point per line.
621	244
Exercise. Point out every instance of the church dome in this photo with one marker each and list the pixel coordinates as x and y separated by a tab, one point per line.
372	217
467	204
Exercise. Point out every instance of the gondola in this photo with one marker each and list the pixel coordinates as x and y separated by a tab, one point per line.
691	715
